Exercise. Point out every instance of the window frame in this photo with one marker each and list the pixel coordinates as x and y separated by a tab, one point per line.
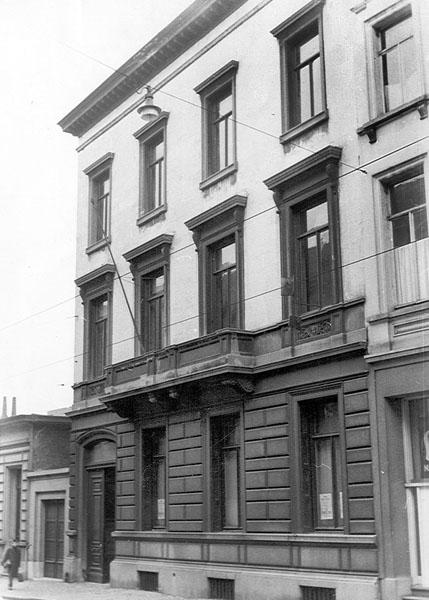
391	17
94	286
13	500
146	504
212	521
210	228
378	116
388	291
303	514
144	260
208	90
146	136
288	35
94	172
295	187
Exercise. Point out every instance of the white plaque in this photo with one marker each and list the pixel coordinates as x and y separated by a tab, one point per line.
326	512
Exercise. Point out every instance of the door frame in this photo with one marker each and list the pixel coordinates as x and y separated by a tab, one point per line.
412	489
43	532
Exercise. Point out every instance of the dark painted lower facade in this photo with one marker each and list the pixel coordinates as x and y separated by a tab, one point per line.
243	465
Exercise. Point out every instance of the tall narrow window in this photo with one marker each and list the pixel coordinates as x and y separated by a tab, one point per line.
218	124
14	501
220	130
398	62
98	320
223	285
99	177
153	168
100	192
407	214
154	477
303	82
314	256
153	313
149	264
218	234
154	172
304	76
225	476
322	486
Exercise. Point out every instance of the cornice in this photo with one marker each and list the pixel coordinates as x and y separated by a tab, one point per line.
201	220
180	35
147	129
317	160
161	241
228	70
279	30
93	275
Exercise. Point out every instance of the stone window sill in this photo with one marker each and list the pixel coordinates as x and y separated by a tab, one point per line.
95	246
370	128
302	128
216	177
151	215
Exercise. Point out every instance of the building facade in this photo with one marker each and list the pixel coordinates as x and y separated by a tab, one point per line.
250	412
34	479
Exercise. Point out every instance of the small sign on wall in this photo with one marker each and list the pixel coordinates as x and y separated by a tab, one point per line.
326	508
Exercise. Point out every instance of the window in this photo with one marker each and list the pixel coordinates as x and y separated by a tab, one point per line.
96	289
396	82
407	219
322	485
223	282
218	235
218	116
14	502
98	318
152	138
154	477
408	212
149	264
152	310
309	228
225	471
99	174
303	86
398	64
314	255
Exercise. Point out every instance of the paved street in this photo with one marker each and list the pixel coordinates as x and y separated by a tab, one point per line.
50	589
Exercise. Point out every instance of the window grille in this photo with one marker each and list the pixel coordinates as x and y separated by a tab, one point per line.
317	593
222	589
148	581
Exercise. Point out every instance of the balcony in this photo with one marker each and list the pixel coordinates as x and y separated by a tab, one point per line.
231	358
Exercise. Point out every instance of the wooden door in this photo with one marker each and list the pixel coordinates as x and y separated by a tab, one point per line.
54	539
100	523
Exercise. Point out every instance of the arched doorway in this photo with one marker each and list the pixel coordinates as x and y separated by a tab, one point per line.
100	495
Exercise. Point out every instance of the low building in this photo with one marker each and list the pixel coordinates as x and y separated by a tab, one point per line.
34	480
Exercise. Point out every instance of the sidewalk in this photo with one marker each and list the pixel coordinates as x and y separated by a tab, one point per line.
54	589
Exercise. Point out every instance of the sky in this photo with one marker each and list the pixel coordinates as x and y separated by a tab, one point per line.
44	74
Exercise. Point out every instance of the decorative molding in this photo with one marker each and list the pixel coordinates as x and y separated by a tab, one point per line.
314	329
161	242
302	128
105	271
152	126
178	36
326	159
219	176
370	128
279	30
102	161
227	71
236	203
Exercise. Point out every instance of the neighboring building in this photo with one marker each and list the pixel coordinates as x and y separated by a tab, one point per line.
260	429
34	481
